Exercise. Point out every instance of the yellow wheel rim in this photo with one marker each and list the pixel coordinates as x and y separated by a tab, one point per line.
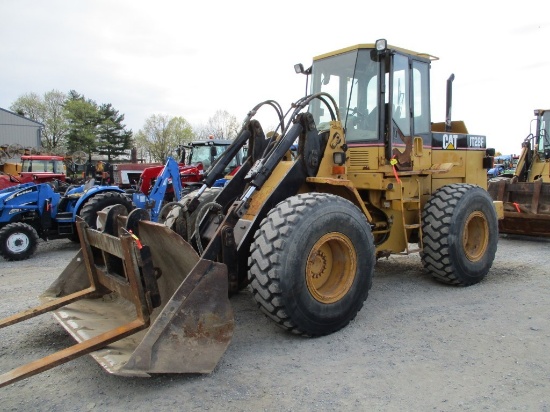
331	268
476	236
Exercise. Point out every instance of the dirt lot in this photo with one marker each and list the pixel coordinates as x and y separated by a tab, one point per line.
416	345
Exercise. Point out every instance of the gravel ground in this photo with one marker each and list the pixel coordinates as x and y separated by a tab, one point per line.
416	345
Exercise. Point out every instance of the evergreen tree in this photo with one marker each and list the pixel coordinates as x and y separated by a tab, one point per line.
84	120
113	138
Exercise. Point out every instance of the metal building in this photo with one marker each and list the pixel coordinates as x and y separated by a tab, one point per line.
16	129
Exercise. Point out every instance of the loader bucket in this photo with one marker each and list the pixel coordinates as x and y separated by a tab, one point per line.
139	306
526	207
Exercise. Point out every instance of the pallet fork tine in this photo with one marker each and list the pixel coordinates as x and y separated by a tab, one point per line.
131	288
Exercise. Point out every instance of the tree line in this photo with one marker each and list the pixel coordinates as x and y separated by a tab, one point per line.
72	122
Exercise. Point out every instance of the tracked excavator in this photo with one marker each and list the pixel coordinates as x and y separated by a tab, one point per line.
371	176
526	194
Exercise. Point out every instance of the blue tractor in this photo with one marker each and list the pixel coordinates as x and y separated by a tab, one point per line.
166	188
166	191
31	211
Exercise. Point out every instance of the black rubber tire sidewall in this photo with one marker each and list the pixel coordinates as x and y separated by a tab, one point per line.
443	254
28	231
100	201
309	217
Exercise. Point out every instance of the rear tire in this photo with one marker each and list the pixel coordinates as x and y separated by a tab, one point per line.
311	263
460	234
18	241
101	201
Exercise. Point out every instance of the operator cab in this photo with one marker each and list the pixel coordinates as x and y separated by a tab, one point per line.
208	151
43	164
382	92
543	135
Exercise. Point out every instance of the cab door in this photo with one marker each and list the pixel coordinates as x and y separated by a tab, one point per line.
408	108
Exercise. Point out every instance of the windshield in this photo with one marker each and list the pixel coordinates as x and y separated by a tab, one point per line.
43	166
544	132
352	80
202	154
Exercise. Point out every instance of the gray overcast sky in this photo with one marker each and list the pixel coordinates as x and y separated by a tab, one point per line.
189	59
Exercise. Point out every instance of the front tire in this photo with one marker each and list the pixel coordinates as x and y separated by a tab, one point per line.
18	241
460	234
311	263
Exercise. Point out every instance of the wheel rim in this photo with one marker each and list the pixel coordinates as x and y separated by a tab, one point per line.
476	236
331	268
17	242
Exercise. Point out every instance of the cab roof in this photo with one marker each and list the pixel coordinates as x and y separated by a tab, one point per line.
41	157
373	46
216	142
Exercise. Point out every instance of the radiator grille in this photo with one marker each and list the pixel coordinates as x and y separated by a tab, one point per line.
358	159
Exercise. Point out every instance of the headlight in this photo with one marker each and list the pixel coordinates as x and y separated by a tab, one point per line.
339	158
381	44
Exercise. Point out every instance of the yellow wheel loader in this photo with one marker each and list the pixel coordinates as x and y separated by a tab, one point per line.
526	194
355	171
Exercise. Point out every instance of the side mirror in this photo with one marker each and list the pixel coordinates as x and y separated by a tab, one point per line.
299	69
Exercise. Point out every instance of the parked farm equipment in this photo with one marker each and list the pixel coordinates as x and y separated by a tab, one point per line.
31	211
526	195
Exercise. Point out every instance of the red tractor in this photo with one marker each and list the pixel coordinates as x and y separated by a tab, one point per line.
36	169
196	158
